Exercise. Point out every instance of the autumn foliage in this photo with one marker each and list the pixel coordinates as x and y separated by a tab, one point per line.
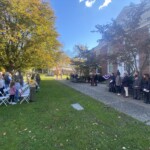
27	34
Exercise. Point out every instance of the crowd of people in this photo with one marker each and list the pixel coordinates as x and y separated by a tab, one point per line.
12	83
92	78
136	85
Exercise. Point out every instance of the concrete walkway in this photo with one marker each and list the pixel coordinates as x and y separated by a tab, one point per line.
135	108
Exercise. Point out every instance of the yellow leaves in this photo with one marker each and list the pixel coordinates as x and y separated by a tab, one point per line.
29	34
61	60
42	58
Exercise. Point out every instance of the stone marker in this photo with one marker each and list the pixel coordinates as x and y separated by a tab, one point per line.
77	106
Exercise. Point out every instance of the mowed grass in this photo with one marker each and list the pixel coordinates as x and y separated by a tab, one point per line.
51	123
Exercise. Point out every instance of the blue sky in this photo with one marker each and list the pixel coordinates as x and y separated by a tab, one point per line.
75	19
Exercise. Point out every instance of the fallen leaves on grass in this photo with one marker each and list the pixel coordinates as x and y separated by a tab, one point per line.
95	123
4	133
119	117
25	129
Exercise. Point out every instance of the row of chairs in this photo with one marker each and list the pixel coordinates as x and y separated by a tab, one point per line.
24	93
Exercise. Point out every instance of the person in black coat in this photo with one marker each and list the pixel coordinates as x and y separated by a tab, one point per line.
136	86
94	79
125	84
112	83
145	85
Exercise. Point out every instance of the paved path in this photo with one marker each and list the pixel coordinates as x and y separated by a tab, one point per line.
135	108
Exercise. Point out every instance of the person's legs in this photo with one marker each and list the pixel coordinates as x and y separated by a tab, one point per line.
114	88
146	97
138	94
92	82
32	93
126	91
110	87
16	96
11	99
95	83
135	93
118	90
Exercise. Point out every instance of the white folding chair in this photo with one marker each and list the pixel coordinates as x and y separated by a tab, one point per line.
4	99
25	96
6	91
25	87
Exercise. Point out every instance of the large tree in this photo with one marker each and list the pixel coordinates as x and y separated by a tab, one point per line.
27	34
84	61
62	61
127	40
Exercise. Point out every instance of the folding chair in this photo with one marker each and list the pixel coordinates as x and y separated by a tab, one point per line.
6	91
24	88
25	96
4	99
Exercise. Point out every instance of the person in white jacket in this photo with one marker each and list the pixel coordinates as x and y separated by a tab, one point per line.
2	84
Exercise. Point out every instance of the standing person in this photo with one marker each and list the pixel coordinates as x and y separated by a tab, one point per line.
145	85
118	72
136	86
112	83
95	79
6	80
92	79
1	84
16	76
12	93
38	79
32	84
18	87
125	84
118	83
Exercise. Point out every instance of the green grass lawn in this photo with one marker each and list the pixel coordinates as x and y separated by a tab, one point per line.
51	123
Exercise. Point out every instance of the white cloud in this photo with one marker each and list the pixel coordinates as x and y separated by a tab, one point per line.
106	3
81	1
89	3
